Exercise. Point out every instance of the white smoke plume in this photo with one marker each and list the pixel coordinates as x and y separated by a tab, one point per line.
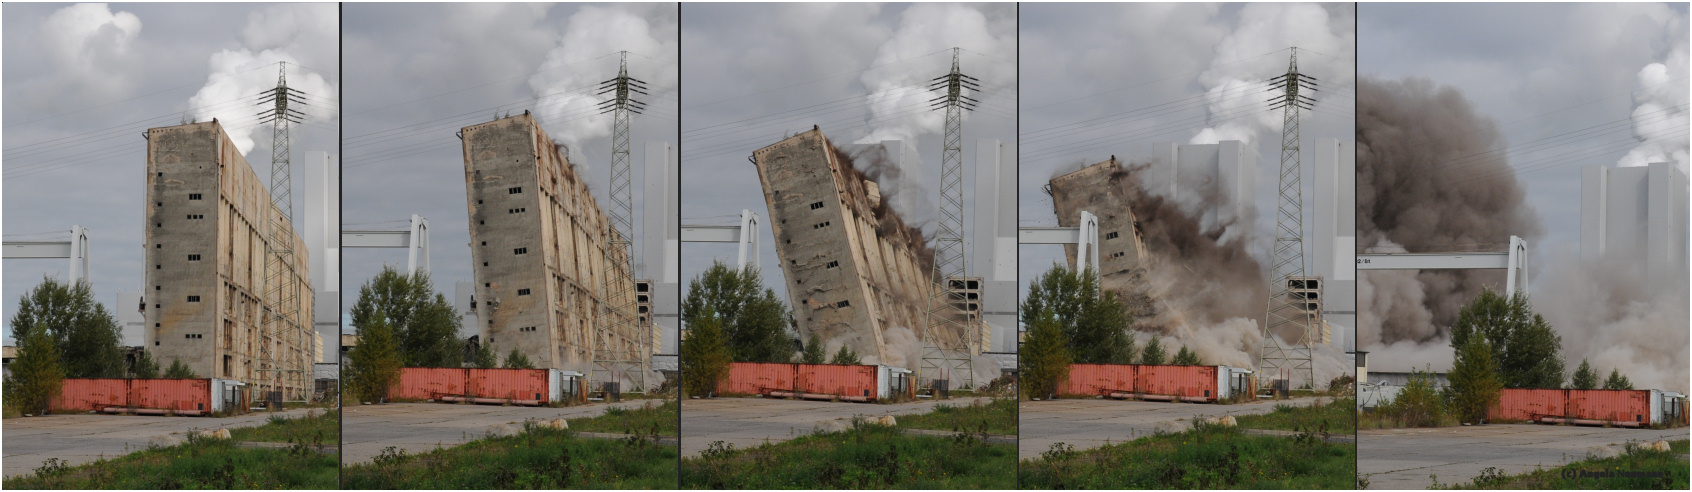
1234	84
585	56
291	33
1660	110
89	44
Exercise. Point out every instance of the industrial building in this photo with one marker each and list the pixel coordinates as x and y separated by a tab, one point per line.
1636	215
854	269
1334	242
209	238
1103	190
543	252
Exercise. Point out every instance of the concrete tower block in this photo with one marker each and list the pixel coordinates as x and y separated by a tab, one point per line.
538	241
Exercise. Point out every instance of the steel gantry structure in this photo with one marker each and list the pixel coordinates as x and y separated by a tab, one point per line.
611	361
947	305
1288	308
75	249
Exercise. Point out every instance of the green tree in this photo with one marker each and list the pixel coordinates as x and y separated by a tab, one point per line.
145	366
753	318
1044	356
86	334
1187	358
1523	345
424	324
374	364
1617	381
814	352
846	356
1095	325
1153	354
516	360
705	354
484	357
1419	403
1475	384
1584	377
37	373
178	370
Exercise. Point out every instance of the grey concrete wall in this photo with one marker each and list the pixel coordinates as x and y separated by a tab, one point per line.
565	237
856	274
1100	189
229	227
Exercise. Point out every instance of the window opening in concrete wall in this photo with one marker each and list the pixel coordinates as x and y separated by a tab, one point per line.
833	264
520	251
514	191
193	257
1111	235
817	205
193	196
842	304
193	298
522	292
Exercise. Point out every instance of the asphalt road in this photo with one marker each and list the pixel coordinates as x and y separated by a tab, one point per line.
82	438
422	427
1091	423
1405	458
747	422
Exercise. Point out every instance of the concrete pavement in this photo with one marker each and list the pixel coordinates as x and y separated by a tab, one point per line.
747	422
83	438
1405	458
421	427
1091	423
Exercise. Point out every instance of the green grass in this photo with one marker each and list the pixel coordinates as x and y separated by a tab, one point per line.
662	419
197	464
996	417
1207	457
537	458
1672	473
317	427
865	456
1334	417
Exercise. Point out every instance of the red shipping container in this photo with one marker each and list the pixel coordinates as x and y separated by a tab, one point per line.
1190	382
176	395
1098	379
81	395
756	378
172	394
428	383
1613	406
834	379
511	384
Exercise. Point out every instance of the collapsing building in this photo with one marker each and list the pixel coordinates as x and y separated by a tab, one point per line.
1104	190
543	252
209	239
857	275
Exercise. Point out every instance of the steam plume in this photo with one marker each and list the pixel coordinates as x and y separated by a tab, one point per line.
1233	84
564	82
282	33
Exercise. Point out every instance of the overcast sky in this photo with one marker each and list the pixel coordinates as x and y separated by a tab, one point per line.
1111	79
82	83
423	71
756	73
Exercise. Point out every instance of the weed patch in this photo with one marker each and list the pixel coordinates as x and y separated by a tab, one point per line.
1206	457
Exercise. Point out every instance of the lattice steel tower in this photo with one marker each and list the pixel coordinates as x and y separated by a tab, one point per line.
282	289
948	305
1289	307
614	357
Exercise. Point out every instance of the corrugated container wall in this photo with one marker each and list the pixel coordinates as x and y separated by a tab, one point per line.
749	378
1192	382
1616	406
427	383
511	384
178	395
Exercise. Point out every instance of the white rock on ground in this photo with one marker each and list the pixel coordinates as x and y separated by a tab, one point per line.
1659	446
1599	452
886	420
498	430
827	426
558	424
1170	427
164	441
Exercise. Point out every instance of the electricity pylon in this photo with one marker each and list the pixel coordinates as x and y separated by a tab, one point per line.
614	354
282	286
1289	306
948	310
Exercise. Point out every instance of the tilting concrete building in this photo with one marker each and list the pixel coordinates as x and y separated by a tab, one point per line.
1104	190
1636	215
209	221
855	272
540	245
